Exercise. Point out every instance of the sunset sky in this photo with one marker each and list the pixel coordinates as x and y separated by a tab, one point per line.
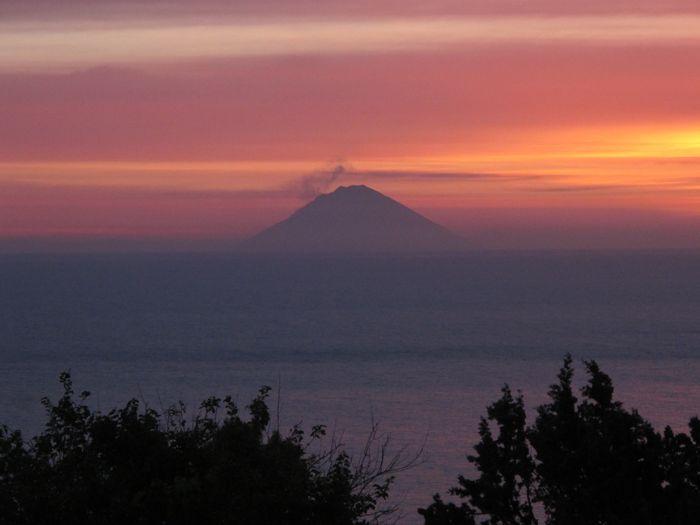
518	124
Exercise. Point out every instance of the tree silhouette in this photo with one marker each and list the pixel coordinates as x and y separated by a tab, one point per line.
583	461
134	465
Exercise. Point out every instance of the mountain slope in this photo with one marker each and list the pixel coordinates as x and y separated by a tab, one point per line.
354	219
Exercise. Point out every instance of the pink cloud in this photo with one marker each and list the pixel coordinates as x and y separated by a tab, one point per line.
350	106
138	9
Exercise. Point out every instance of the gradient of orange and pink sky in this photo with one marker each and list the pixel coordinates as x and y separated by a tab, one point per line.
539	124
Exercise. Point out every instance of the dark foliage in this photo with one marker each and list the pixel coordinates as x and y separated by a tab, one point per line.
586	461
136	465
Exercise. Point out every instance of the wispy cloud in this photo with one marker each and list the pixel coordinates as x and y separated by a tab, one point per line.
583	188
324	180
445	175
81	46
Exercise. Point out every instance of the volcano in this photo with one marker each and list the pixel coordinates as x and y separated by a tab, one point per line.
354	219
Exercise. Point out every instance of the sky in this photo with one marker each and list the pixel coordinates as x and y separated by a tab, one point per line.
190	125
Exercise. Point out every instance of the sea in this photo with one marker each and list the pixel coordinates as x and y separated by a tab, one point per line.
418	345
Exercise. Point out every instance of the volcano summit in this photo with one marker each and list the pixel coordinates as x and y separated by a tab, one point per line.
354	219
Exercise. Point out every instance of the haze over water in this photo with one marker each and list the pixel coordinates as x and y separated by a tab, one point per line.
421	344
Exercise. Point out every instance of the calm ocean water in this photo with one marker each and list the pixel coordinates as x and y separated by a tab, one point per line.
419	344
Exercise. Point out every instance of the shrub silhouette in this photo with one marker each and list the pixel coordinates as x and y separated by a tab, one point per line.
586	461
134	465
